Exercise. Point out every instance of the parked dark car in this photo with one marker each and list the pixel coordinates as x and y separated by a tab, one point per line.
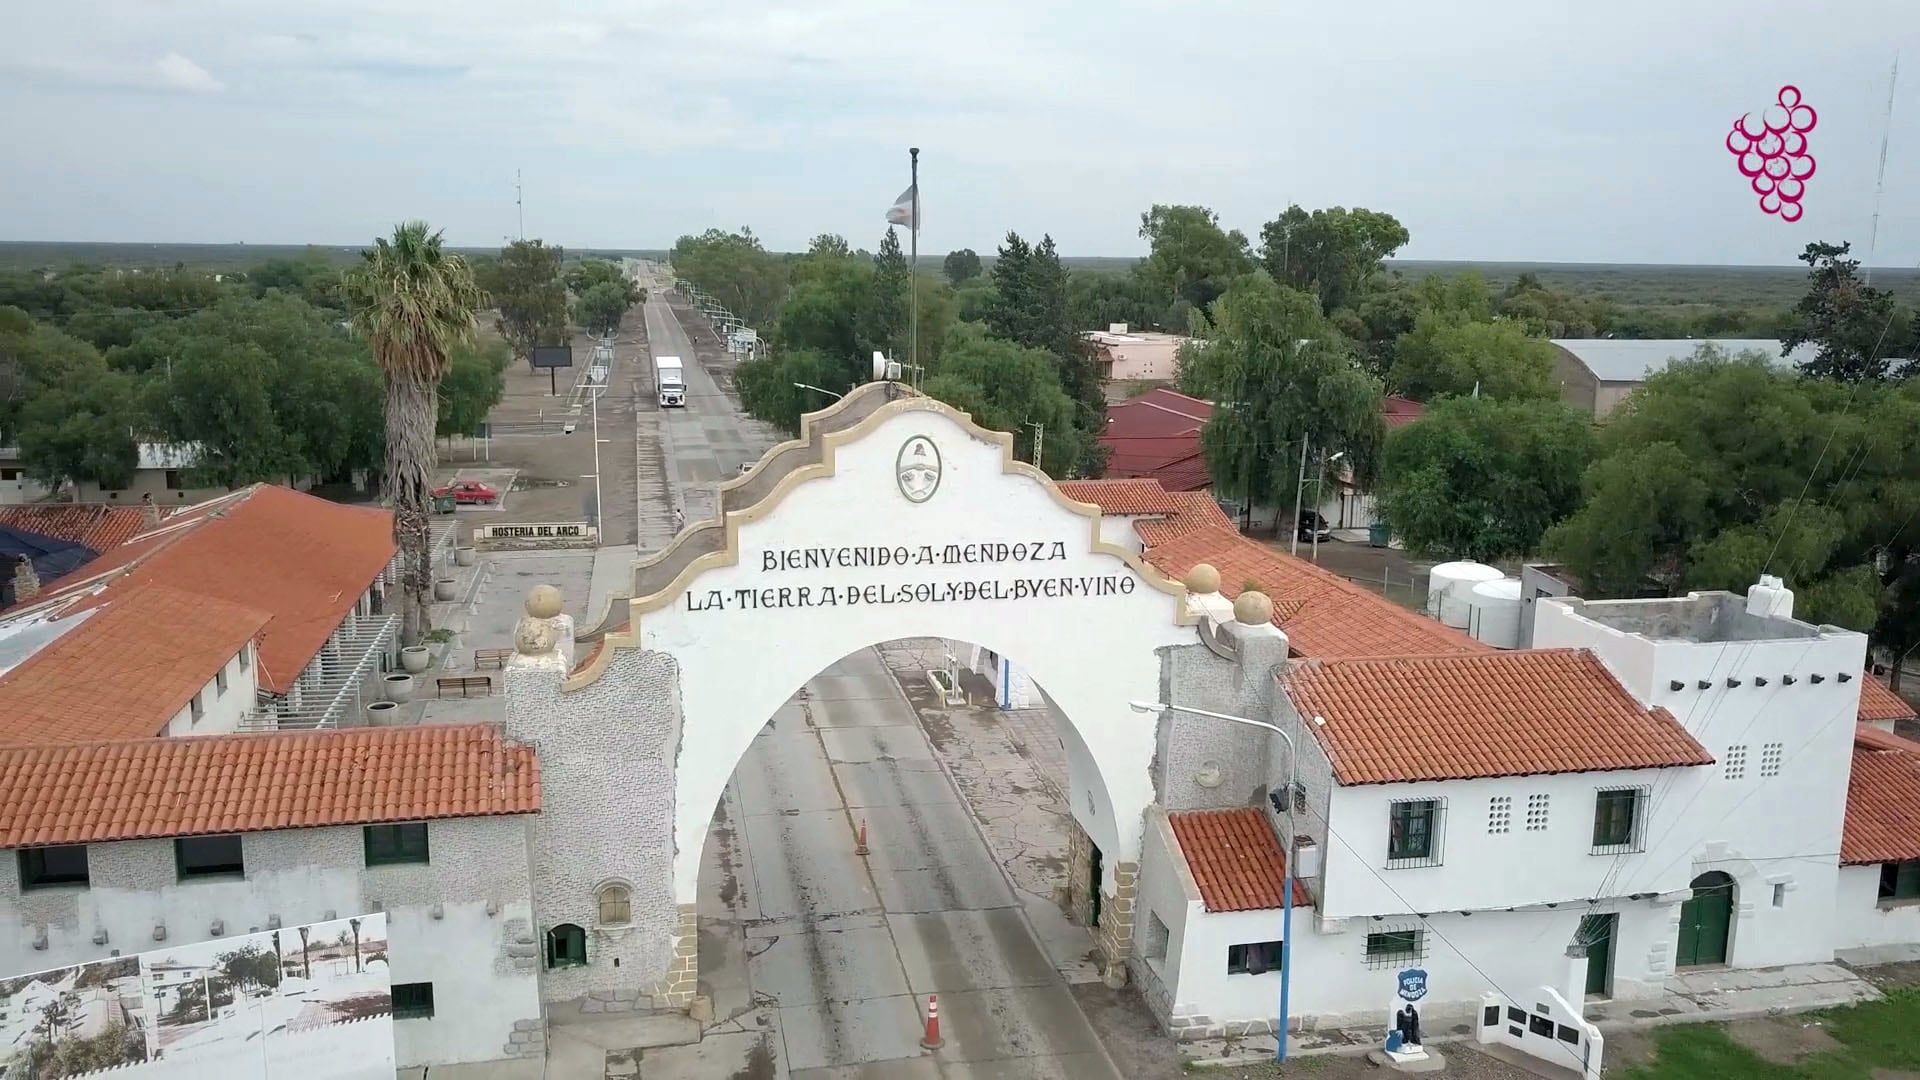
1310	523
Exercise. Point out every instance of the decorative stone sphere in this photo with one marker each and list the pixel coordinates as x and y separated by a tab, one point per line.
534	636
1252	608
1203	579
543	602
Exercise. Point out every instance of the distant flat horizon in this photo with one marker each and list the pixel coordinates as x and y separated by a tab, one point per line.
928	255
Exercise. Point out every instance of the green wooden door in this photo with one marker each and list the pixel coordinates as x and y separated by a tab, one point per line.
1597	932
1706	922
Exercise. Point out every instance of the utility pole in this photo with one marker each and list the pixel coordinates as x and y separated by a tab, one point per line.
519	207
1039	434
1299	489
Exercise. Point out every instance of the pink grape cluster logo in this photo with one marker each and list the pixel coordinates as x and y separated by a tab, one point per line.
1771	149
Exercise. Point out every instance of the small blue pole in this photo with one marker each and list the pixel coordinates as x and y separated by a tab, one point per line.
1286	958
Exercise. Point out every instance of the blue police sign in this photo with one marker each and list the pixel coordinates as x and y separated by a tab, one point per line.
1413	984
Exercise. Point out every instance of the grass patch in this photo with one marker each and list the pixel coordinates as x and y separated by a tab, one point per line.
439	635
1875	1036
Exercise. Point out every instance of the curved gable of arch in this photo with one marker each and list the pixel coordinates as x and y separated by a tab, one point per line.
911	505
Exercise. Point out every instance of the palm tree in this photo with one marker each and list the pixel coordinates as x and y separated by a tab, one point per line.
415	302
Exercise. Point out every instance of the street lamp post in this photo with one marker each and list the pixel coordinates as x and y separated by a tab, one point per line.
819	390
1286	886
1319	500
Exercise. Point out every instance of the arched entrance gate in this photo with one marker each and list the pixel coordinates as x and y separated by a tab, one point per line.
892	516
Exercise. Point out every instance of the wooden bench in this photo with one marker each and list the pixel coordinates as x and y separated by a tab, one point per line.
463	683
490	658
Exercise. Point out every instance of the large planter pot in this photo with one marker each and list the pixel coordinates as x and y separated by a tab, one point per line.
443	589
399	687
382	713
465	556
416	659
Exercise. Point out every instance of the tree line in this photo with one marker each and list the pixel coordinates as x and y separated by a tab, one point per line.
259	368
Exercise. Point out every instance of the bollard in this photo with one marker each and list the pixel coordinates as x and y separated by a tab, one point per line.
860	844
931	1040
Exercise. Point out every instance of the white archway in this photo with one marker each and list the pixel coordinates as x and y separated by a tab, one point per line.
845	551
892	517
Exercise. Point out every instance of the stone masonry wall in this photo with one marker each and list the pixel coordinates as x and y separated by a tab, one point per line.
607	755
1114	935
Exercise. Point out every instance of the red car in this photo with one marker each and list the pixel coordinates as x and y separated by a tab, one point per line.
468	491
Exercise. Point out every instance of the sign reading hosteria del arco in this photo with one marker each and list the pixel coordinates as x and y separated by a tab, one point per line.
892	516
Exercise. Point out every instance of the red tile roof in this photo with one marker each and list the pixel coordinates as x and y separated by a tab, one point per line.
1236	859
101	528
1157	412
1407	718
98	792
132	660
1184	474
1120	496
1129	457
1399	412
1883	799
1878	702
1197	511
303	560
1323	613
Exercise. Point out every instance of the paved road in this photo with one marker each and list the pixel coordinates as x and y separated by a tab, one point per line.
820	959
684	453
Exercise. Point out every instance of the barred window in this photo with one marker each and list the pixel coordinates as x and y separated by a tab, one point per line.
1392	948
1414	829
1619	820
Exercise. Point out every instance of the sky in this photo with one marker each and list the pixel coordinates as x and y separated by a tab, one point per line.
1494	130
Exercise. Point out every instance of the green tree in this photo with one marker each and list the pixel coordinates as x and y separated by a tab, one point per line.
267	389
415	302
1555	314
1481	479
735	270
883	314
961	266
1031	309
1722	468
1191	260
1010	387
1097	300
474	384
1278	372
1333	254
525	287
588	273
599	310
1856	328
1444	355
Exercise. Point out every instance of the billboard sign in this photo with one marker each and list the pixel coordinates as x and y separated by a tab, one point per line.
552	356
314	1001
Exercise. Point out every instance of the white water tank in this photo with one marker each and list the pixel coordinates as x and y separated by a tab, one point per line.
1494	613
1448	585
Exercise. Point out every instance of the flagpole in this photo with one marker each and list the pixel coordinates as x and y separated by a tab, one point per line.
913	273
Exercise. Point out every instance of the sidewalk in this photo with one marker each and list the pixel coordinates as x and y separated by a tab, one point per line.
1696	997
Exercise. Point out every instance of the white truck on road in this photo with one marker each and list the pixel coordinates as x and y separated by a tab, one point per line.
671	381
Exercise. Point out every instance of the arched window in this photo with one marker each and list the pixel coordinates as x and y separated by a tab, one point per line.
566	946
616	904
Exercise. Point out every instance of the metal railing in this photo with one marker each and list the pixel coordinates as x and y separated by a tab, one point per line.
334	690
334	686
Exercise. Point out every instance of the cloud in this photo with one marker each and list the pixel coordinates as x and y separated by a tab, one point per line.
181	73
